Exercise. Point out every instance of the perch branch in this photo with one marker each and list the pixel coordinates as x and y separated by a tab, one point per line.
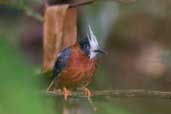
119	93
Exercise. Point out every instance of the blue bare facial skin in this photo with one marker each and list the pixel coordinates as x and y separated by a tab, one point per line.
85	46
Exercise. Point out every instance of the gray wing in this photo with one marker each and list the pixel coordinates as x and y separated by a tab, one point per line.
61	61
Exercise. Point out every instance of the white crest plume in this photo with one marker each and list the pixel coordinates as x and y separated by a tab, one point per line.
93	42
92	39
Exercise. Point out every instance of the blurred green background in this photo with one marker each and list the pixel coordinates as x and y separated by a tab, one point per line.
136	36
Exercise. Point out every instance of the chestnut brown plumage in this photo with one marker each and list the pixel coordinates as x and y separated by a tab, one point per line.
76	65
78	72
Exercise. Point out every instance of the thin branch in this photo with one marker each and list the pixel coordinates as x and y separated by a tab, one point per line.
27	10
119	93
86	2
81	3
125	1
32	13
39	17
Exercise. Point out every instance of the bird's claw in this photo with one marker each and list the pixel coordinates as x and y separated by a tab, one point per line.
88	93
66	93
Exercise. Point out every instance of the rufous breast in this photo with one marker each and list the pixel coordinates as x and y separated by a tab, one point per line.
79	70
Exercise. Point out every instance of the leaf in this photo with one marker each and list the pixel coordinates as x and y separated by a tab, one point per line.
60	31
19	90
70	25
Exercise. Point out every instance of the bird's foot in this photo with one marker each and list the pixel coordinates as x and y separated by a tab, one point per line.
87	92
66	93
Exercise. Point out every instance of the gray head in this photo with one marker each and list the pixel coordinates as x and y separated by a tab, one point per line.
90	45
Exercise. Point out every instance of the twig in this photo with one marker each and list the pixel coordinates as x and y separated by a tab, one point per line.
27	10
119	93
38	17
125	1
81	3
31	13
86	2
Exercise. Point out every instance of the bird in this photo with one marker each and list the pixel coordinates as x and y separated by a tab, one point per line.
76	65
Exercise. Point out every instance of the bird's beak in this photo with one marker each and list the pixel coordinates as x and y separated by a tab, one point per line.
100	51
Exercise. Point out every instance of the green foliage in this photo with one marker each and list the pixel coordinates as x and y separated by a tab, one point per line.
18	88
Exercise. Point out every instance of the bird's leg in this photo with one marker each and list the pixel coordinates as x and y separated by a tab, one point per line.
66	93
88	93
50	87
